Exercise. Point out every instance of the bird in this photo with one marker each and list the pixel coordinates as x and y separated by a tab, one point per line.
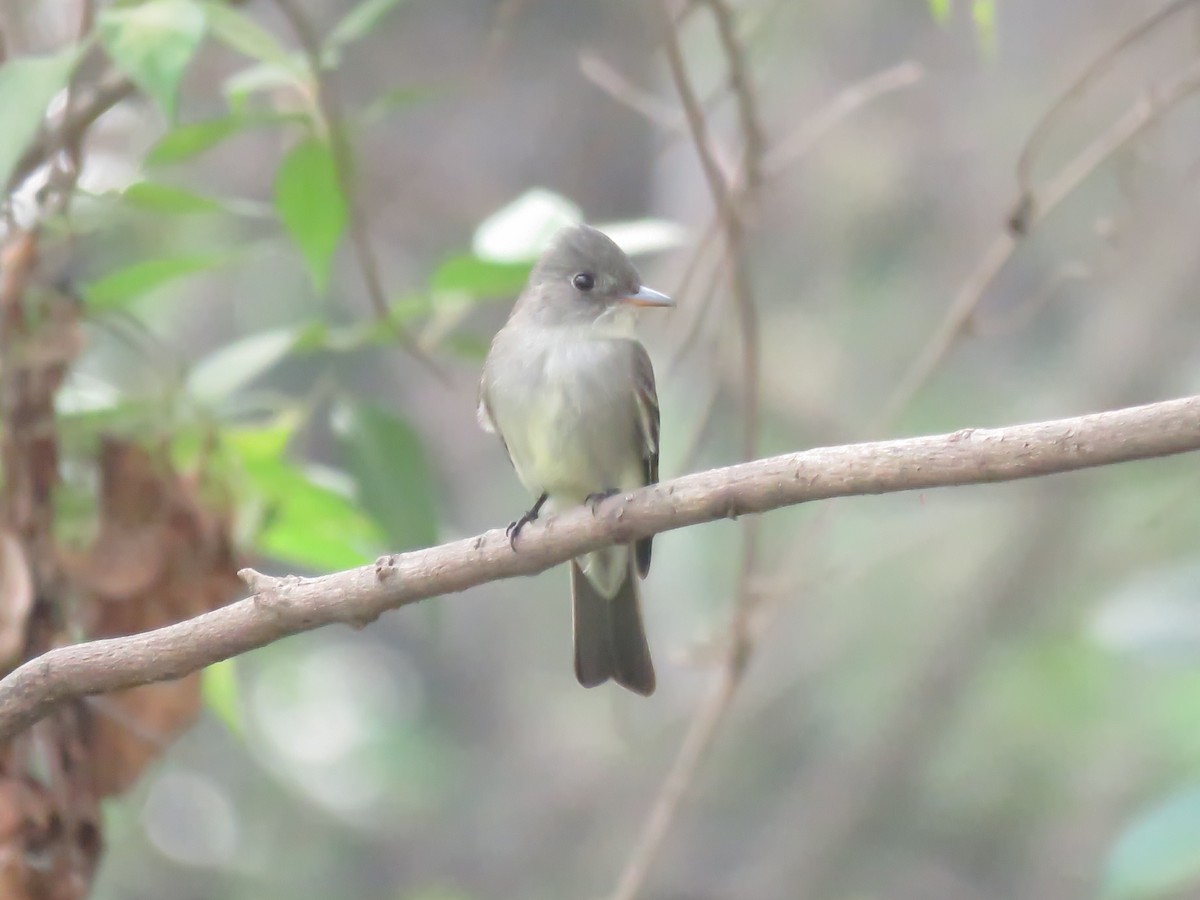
570	392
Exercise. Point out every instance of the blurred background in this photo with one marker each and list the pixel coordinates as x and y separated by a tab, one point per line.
985	692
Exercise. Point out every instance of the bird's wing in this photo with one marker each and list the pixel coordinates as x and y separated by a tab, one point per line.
647	406
646	397
483	414
486	420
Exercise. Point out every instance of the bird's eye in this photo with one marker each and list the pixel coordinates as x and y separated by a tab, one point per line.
584	281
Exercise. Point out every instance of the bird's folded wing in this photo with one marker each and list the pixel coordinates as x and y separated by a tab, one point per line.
647	407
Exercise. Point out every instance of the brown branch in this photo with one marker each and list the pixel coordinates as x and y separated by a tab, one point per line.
86	111
729	205
286	606
731	222
612	82
700	735
730	201
784	153
743	90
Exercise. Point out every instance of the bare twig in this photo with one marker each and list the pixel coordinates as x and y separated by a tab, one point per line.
739	194
743	90
700	735
841	106
329	105
88	108
1094	70
282	607
1141	115
697	310
731	223
786	152
604	76
709	715
67	154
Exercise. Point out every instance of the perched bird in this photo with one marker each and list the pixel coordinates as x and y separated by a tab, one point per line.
570	392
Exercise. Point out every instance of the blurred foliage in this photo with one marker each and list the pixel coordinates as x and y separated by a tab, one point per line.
453	760
983	13
27	85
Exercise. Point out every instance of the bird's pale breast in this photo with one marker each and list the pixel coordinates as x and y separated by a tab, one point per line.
565	407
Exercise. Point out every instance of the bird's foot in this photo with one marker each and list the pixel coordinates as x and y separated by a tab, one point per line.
514	528
594	500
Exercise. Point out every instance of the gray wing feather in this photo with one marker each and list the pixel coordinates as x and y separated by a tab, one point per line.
648	421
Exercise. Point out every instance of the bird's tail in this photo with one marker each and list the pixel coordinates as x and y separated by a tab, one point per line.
610	641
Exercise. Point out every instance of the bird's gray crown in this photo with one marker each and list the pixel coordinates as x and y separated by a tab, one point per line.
581	249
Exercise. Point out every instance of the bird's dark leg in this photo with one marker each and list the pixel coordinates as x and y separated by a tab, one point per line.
514	528
594	500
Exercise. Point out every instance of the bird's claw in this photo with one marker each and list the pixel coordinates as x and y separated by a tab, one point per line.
594	500
514	528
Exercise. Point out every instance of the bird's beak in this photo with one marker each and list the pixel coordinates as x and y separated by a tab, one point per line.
648	297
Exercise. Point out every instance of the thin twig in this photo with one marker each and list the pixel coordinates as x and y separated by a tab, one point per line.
738	195
107	94
700	735
840	107
741	637
710	714
731	224
787	151
1140	116
743	90
330	108
1094	70
67	155
599	72
697	310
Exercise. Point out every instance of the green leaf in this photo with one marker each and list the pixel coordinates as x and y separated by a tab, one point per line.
388	462
241	86
310	204
125	285
230	368
479	278
356	24
940	10
157	197
27	85
153	44
307	523
219	688
238	31
1159	853
186	141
